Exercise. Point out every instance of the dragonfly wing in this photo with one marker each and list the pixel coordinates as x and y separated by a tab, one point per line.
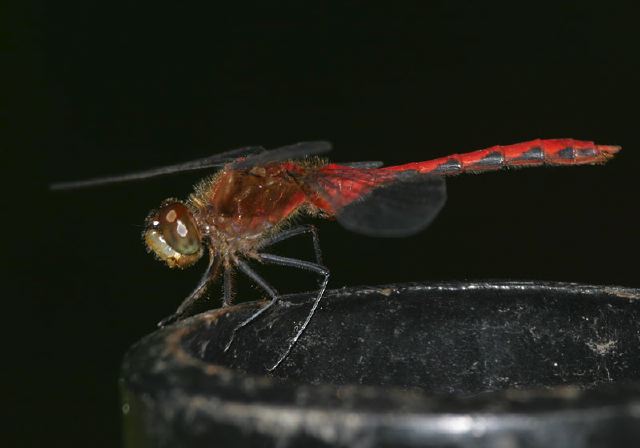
364	165
399	208
289	152
214	161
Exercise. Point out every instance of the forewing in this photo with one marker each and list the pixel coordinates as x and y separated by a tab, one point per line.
214	161
384	204
364	165
290	152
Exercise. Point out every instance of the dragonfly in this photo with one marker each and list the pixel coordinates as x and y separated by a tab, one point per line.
246	205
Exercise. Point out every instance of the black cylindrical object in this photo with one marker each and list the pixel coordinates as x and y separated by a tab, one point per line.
491	364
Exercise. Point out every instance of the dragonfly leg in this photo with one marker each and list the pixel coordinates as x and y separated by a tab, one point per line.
227	287
210	273
307	266
295	231
253	275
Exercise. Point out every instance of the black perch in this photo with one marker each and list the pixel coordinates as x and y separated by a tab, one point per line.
490	364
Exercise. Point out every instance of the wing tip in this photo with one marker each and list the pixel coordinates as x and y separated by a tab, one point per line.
64	186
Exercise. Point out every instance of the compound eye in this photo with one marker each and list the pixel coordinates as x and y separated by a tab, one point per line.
173	235
176	226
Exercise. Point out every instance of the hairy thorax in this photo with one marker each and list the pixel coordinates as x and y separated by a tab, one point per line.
238	208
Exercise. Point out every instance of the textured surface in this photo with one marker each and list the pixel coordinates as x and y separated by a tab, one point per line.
477	364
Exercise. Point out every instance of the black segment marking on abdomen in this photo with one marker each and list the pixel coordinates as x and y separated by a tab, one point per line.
586	153
530	155
566	154
450	166
493	159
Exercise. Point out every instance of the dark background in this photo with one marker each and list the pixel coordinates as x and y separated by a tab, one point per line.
109	87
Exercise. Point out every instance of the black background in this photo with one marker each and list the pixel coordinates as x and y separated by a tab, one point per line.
109	87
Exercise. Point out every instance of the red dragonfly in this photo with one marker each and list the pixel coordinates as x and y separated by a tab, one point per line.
244	208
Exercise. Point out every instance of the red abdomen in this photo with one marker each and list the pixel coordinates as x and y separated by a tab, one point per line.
532	153
341	185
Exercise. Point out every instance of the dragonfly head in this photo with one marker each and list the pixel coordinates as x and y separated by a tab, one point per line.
172	235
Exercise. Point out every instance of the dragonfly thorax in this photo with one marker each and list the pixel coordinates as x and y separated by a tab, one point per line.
244	205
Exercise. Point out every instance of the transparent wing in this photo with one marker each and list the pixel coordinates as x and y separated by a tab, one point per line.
396	210
296	151
364	165
382	203
214	161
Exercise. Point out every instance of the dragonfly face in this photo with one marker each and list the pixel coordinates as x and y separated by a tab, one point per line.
172	234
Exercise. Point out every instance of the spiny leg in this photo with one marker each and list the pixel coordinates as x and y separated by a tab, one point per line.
227	287
253	275
283	261
209	274
294	231
307	266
